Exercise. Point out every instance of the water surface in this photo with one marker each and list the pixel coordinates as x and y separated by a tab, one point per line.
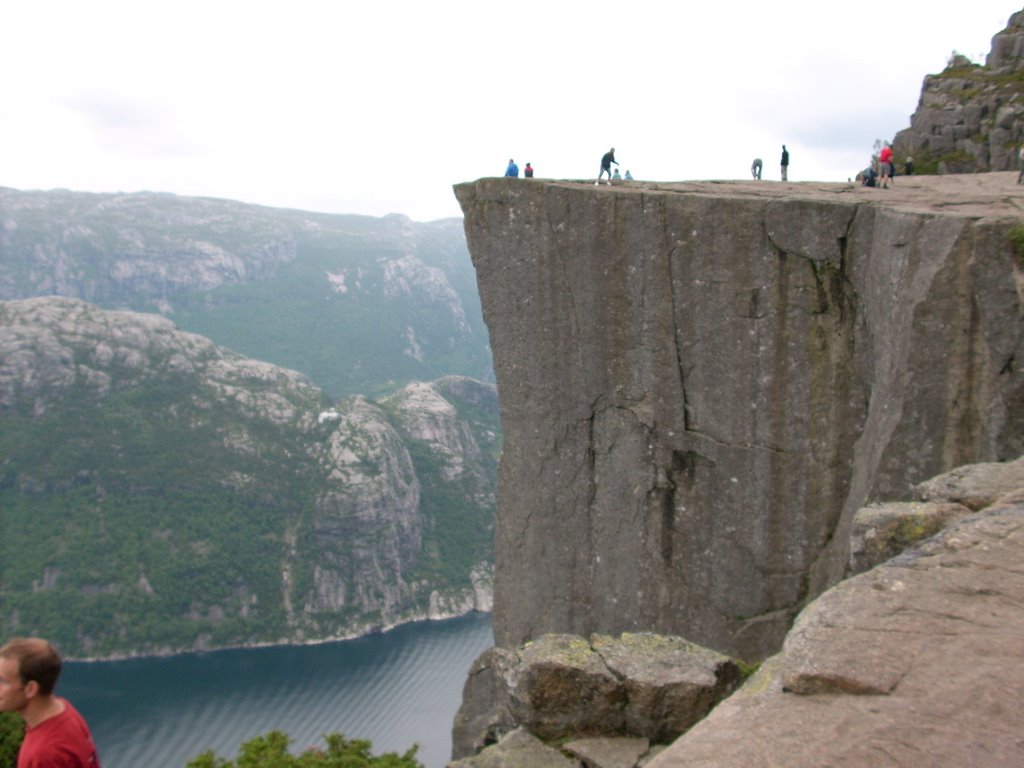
396	688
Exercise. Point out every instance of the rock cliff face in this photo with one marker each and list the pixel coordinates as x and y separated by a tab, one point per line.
159	493
970	118
702	383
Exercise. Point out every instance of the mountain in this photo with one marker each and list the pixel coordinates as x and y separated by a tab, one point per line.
970	117
361	305
162	493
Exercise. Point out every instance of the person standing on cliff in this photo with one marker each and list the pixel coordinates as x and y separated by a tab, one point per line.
56	736
785	163
528	171
885	166
513	169
755	168
606	166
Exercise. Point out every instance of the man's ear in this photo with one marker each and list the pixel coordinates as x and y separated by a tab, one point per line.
31	689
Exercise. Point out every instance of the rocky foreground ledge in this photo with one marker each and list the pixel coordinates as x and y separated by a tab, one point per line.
916	662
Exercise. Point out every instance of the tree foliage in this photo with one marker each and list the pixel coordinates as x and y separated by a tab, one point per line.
12	729
271	751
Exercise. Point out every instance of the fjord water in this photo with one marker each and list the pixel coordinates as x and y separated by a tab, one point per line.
394	688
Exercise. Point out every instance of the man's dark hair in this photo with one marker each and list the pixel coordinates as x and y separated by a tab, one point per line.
37	660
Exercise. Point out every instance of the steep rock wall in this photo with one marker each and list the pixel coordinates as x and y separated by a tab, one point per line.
701	383
970	118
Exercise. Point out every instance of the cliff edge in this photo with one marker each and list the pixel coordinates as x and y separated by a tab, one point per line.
701	383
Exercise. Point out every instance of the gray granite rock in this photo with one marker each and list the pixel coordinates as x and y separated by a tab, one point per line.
519	749
564	686
917	662
608	752
701	383
974	485
882	531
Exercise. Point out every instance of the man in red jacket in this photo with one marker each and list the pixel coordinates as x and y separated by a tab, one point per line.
56	736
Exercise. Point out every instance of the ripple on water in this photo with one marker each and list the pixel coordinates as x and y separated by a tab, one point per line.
395	688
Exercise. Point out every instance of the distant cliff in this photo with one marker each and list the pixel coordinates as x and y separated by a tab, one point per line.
970	117
701	383
160	493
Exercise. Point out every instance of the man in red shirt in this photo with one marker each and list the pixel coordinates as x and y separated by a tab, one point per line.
885	166
56	736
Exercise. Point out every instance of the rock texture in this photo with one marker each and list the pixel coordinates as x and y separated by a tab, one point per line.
970	118
519	749
643	686
702	383
915	662
882	531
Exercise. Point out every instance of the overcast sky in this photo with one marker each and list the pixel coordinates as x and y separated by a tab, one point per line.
376	107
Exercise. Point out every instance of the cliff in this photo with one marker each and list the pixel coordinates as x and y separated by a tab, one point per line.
701	383
160	493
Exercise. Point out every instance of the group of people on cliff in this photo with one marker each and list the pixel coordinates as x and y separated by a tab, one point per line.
881	171
512	170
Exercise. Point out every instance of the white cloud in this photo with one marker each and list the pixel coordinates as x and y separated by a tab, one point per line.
380	107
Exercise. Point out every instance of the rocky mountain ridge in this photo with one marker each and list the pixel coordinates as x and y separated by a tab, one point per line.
161	493
970	117
359	304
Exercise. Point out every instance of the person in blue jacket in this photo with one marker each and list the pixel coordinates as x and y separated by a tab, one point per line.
513	169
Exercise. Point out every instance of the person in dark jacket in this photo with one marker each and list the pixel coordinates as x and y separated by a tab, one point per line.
785	163
606	166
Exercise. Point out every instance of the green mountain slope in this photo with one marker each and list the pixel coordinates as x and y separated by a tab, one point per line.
161	493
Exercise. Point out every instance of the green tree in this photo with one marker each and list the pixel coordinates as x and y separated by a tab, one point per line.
271	751
12	728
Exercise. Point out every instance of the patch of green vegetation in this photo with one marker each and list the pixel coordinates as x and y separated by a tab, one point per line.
957	161
271	751
459	530
747	669
1016	237
119	532
925	163
12	729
